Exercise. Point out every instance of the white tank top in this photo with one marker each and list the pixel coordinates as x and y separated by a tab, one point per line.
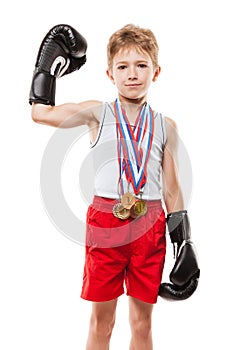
106	158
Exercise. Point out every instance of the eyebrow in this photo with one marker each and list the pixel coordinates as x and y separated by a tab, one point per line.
138	61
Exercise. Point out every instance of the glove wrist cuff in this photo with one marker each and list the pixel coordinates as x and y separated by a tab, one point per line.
179	226
43	88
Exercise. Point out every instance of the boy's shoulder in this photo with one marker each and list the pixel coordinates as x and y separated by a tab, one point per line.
171	122
171	131
92	109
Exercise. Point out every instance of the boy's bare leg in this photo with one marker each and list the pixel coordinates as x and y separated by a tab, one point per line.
140	314
101	325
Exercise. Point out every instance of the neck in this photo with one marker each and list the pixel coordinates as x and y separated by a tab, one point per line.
136	101
132	107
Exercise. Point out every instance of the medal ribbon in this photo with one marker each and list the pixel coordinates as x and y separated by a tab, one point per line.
134	146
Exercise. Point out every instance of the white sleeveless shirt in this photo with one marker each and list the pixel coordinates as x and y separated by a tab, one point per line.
106	158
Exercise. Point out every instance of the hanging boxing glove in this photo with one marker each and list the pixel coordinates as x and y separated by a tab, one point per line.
185	273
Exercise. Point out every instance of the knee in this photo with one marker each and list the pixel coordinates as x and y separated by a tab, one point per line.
141	327
102	326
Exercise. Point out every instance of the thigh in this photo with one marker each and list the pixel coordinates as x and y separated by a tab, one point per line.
105	263
104	310
104	273
145	269
139	310
103	314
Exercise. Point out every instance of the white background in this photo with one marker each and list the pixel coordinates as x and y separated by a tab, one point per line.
40	269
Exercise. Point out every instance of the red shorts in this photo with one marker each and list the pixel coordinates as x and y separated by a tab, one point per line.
123	253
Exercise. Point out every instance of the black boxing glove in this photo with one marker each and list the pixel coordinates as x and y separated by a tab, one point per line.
62	51
185	273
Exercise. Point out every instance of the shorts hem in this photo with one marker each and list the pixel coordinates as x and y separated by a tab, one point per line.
145	300
101	299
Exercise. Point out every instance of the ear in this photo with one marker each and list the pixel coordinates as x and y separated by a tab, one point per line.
156	74
109	74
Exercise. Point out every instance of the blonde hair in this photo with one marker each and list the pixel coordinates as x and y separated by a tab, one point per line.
133	36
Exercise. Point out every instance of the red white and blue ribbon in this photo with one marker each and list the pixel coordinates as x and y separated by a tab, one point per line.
134	146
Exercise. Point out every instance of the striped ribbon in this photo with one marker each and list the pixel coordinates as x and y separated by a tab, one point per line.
134	146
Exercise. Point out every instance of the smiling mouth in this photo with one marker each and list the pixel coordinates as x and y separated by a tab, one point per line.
132	85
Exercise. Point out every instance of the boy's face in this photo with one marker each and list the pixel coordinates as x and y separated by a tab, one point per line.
132	72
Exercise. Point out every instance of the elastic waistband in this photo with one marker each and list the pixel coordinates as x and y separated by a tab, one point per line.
106	204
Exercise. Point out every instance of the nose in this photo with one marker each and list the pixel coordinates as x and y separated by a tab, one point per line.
132	73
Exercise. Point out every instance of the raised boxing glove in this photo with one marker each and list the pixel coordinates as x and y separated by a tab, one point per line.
62	51
185	273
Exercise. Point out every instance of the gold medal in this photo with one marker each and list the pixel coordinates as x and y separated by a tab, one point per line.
128	200
120	212
139	209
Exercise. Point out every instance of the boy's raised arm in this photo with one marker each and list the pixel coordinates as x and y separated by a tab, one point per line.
62	51
68	115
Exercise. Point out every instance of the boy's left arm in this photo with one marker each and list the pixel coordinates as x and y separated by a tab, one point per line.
185	273
172	192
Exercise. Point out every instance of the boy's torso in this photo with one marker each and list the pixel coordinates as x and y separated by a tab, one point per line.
105	157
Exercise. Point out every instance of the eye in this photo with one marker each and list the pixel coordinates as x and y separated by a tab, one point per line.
121	67
142	65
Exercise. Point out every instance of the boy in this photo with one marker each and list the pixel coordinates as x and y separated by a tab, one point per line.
125	241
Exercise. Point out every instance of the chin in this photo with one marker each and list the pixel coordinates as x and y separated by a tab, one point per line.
132	96
136	98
